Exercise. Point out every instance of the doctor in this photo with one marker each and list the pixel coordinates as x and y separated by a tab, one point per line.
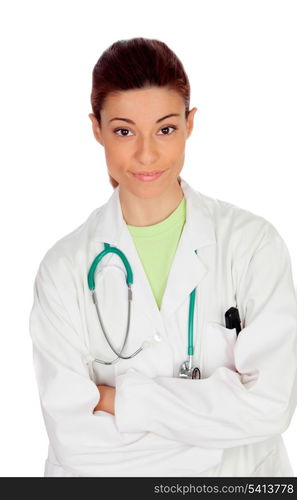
134	414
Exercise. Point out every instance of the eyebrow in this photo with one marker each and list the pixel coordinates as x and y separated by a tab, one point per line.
130	121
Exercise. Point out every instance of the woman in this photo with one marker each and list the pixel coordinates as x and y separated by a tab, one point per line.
154	403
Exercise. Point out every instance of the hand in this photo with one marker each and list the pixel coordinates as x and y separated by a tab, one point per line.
107	397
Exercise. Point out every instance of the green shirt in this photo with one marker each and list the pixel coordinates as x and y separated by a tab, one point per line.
156	246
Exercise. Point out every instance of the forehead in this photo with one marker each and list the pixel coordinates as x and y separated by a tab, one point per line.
154	102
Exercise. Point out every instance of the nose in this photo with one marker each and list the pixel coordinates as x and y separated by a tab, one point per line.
146	150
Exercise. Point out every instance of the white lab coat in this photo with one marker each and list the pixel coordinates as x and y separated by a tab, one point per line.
228	423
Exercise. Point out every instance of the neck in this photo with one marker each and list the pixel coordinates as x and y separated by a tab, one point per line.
148	211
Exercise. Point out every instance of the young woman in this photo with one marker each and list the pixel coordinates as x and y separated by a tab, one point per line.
164	327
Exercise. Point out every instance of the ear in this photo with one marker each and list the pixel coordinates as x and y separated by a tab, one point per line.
190	121
96	128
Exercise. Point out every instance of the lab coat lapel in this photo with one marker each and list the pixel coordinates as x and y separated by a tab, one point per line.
187	270
112	229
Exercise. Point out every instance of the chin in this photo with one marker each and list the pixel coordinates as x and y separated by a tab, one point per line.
146	191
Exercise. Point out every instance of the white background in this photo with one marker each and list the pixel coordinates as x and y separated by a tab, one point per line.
240	57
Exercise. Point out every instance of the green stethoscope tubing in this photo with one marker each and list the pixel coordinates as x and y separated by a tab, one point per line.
109	249
129	281
190	322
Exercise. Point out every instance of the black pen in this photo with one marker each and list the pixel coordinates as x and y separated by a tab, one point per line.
232	319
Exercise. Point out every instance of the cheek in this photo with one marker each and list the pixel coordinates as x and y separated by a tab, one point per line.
180	145
175	148
115	157
176	155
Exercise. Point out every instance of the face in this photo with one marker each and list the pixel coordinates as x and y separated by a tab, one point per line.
139	137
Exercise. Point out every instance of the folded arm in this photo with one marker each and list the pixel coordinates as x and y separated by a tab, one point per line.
230	408
85	441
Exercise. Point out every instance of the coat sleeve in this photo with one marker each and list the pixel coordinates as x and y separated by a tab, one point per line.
84	443
230	408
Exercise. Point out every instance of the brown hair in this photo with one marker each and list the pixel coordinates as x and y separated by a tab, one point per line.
133	64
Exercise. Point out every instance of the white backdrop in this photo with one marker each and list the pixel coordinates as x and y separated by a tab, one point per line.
240	57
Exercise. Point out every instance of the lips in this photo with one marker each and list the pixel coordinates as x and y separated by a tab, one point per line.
153	172
148	176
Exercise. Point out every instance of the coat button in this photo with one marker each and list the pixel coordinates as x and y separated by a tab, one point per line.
157	337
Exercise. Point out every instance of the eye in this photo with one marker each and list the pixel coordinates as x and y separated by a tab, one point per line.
120	129
166	128
127	130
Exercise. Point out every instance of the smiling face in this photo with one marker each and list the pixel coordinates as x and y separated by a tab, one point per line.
139	136
144	131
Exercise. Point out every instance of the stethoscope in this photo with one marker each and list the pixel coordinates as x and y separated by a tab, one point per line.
187	370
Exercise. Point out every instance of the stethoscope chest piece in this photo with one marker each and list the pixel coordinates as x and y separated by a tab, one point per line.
186	371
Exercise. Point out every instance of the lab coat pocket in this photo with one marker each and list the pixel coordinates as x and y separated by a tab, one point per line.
218	347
